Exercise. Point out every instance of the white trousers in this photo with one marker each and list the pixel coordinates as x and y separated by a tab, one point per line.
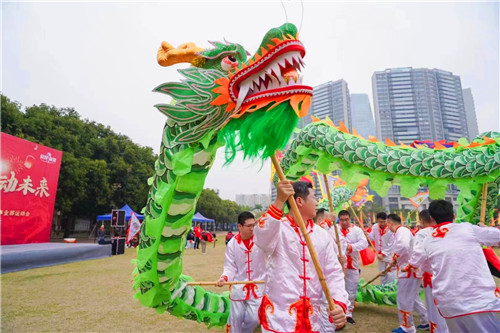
408	300
486	322
351	286
436	322
390	276
243	315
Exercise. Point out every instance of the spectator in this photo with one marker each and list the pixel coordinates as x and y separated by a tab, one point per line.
229	236
197	236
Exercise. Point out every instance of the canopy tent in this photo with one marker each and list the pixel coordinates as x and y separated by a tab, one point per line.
128	214
200	218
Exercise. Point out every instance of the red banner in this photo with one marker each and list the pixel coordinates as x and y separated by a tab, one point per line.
28	185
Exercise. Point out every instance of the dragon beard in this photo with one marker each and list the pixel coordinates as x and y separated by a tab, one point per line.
259	134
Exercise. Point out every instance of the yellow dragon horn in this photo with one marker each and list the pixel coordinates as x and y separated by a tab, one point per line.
188	52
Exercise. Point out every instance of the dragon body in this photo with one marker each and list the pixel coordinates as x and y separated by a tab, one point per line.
252	104
247	104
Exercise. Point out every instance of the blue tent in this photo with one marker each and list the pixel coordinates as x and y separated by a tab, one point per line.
200	218
128	213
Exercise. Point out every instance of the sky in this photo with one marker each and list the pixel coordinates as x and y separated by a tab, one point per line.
100	58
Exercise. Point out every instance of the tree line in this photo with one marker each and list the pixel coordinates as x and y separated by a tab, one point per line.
100	169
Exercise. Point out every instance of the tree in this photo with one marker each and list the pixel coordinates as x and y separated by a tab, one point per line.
100	170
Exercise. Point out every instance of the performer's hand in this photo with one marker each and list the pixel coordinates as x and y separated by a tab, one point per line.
342	260
338	316
285	190
221	282
331	216
380	256
389	267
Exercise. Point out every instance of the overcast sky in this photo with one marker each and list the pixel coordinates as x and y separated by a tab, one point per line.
100	58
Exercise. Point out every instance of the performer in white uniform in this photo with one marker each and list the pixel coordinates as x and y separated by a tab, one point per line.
293	297
437	324
326	220
356	241
244	262
463	288
408	281
382	239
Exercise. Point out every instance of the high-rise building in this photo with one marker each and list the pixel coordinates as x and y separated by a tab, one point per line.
330	99
470	113
361	115
418	104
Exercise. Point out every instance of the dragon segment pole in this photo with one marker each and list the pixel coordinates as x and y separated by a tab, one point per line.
483	204
303	230
205	283
331	210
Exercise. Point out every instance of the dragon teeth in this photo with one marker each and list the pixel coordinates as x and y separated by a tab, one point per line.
257	82
245	86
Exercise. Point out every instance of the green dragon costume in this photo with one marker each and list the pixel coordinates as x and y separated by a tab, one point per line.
252	105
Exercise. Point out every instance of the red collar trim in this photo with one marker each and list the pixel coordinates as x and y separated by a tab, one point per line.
440	224
309	223
382	231
345	231
238	238
397	229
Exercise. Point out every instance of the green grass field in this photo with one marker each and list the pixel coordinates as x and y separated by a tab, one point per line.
96	296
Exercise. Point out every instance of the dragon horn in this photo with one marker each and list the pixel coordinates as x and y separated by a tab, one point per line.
188	52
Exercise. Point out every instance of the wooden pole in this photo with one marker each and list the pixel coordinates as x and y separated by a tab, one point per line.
325	179
207	283
305	234
386	270
483	203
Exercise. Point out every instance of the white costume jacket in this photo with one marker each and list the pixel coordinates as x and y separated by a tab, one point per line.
382	239
460	269
329	227
292	300
355	237
402	248
242	264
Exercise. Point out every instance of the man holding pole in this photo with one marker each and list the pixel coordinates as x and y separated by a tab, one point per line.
244	262
356	241
463	288
382	240
293	299
408	281
326	220
437	324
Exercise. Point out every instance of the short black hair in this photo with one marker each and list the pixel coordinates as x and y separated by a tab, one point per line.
301	190
394	218
244	216
381	215
320	211
425	216
344	212
441	211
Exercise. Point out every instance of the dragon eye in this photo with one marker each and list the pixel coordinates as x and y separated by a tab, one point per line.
228	63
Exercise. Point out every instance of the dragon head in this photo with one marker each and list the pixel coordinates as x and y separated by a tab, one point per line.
253	104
